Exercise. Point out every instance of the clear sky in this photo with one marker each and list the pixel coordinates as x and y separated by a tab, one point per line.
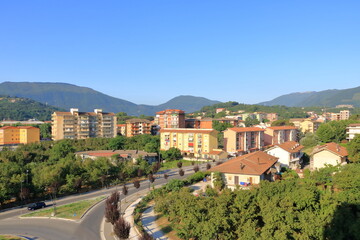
151	51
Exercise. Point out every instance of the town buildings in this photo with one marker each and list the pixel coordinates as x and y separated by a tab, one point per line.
328	154
306	124
137	126
247	169
342	115
121	129
191	142
82	125
19	135
122	155
170	118
240	140
352	130
280	134
289	154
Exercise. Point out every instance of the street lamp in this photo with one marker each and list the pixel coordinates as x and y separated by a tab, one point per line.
27	176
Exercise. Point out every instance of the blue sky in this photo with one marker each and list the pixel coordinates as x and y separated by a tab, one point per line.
151	51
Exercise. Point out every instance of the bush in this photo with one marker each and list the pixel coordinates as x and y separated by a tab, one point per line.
122	228
174	185
197	177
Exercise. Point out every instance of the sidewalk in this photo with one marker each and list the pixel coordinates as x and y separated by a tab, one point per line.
149	222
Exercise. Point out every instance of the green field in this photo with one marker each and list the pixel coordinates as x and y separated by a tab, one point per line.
10	237
70	211
173	164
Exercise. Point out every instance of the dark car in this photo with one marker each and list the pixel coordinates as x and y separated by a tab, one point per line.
37	205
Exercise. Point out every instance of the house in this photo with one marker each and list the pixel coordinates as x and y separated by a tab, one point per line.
289	154
247	169
137	126
19	135
232	121
279	134
170	118
191	142
131	155
240	140
82	125
306	124
218	155
352	130
330	153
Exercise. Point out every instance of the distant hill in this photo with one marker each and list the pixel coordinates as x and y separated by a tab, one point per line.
67	96
22	109
327	98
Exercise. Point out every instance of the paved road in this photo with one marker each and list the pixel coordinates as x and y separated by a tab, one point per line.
86	229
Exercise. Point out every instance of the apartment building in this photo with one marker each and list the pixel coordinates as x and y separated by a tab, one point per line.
191	142
272	116
19	135
137	126
170	118
280	134
342	115
352	130
240	140
121	129
305	124
82	125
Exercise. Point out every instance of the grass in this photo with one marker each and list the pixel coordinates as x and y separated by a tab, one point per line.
10	237
166	227
70	211
173	164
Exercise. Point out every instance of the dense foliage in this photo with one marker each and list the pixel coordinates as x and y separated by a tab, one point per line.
22	109
323	205
334	131
53	166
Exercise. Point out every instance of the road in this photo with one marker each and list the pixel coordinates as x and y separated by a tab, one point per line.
88	228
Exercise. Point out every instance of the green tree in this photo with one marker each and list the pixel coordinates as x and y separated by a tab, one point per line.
354	149
251	122
218	181
310	140
117	143
171	154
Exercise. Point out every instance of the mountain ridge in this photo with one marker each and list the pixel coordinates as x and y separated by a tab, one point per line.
66	96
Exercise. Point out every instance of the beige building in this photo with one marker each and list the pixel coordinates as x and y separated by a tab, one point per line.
247	169
170	118
305	124
289	154
82	125
191	142
239	140
280	134
19	135
330	153
137	126
352	130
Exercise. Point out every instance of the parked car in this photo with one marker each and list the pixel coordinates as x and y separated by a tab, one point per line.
37	205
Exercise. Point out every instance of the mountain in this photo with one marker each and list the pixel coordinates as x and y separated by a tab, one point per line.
22	109
327	98
68	96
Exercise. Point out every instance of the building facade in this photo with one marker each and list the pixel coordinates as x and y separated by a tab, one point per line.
240	140
191	142
280	134
352	130
289	154
305	124
137	126
170	118
82	125
328	154
19	135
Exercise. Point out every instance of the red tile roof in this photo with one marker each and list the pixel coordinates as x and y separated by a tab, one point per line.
170	111
187	130
246	129
27	127
255	163
291	146
8	127
354	125
332	147
282	128
216	152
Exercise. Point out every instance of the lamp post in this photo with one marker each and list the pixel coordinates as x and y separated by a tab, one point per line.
27	176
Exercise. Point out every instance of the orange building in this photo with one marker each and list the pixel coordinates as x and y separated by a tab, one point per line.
170	118
137	126
239	140
19	135
280	134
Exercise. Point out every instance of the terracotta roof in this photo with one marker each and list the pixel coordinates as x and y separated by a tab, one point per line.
121	125
282	127
354	125
255	163
246	129
187	130
332	147
216	152
138	120
170	111
8	127
27	127
291	146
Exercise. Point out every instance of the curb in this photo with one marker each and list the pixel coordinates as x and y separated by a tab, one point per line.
91	207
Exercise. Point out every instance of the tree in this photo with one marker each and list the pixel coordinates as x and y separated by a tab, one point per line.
45	131
171	154
117	143
282	122
179	164
310	140
181	172
208	166
251	121
218	181
125	191
354	149
111	208
122	228
136	184
166	176
196	168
